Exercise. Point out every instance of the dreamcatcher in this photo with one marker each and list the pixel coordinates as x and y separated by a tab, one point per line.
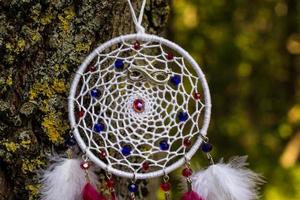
139	108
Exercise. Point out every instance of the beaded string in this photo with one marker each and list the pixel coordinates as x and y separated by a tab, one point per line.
187	173
133	188
110	185
166	186
85	165
207	147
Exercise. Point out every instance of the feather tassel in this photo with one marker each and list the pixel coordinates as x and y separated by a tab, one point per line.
90	193
64	180
191	195
231	181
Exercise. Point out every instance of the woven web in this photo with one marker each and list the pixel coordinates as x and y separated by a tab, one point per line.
143	131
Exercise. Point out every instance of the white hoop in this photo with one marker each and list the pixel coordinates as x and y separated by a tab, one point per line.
207	105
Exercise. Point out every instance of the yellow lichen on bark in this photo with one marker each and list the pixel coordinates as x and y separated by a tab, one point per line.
60	68
59	86
65	19
9	46
54	127
31	165
25	144
40	88
46	19
9	80
47	89
44	92
21	44
11	146
33	191
44	106
83	47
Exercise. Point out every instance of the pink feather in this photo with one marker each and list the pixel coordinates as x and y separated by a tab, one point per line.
191	195
90	193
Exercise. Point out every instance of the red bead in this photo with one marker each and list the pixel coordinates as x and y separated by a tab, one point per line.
187	142
138	105
145	166
170	56
110	183
85	165
187	172
80	114
102	154
165	186
197	96
136	45
93	68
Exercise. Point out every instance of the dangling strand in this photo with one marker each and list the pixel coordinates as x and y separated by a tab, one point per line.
133	188
111	186
85	165
206	148
187	173
89	192
166	186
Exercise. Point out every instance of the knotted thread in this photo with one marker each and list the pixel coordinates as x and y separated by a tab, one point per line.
138	21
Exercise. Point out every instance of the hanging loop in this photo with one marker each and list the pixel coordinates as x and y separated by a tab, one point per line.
84	157
108	175
138	21
166	177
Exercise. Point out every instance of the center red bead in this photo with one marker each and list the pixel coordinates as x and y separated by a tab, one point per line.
165	186
138	105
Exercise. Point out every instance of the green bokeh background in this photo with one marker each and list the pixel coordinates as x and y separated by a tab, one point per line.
250	53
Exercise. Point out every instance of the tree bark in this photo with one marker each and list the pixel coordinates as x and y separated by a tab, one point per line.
41	45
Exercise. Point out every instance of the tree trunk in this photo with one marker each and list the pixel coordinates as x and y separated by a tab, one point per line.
41	45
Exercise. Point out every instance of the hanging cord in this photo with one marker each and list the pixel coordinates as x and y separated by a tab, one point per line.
138	21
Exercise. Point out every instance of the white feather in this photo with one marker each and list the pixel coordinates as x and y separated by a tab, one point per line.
232	181
64	180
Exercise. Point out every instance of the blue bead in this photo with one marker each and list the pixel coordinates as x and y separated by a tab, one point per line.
126	150
70	142
99	127
176	79
206	147
132	187
95	93
164	145
119	64
183	116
